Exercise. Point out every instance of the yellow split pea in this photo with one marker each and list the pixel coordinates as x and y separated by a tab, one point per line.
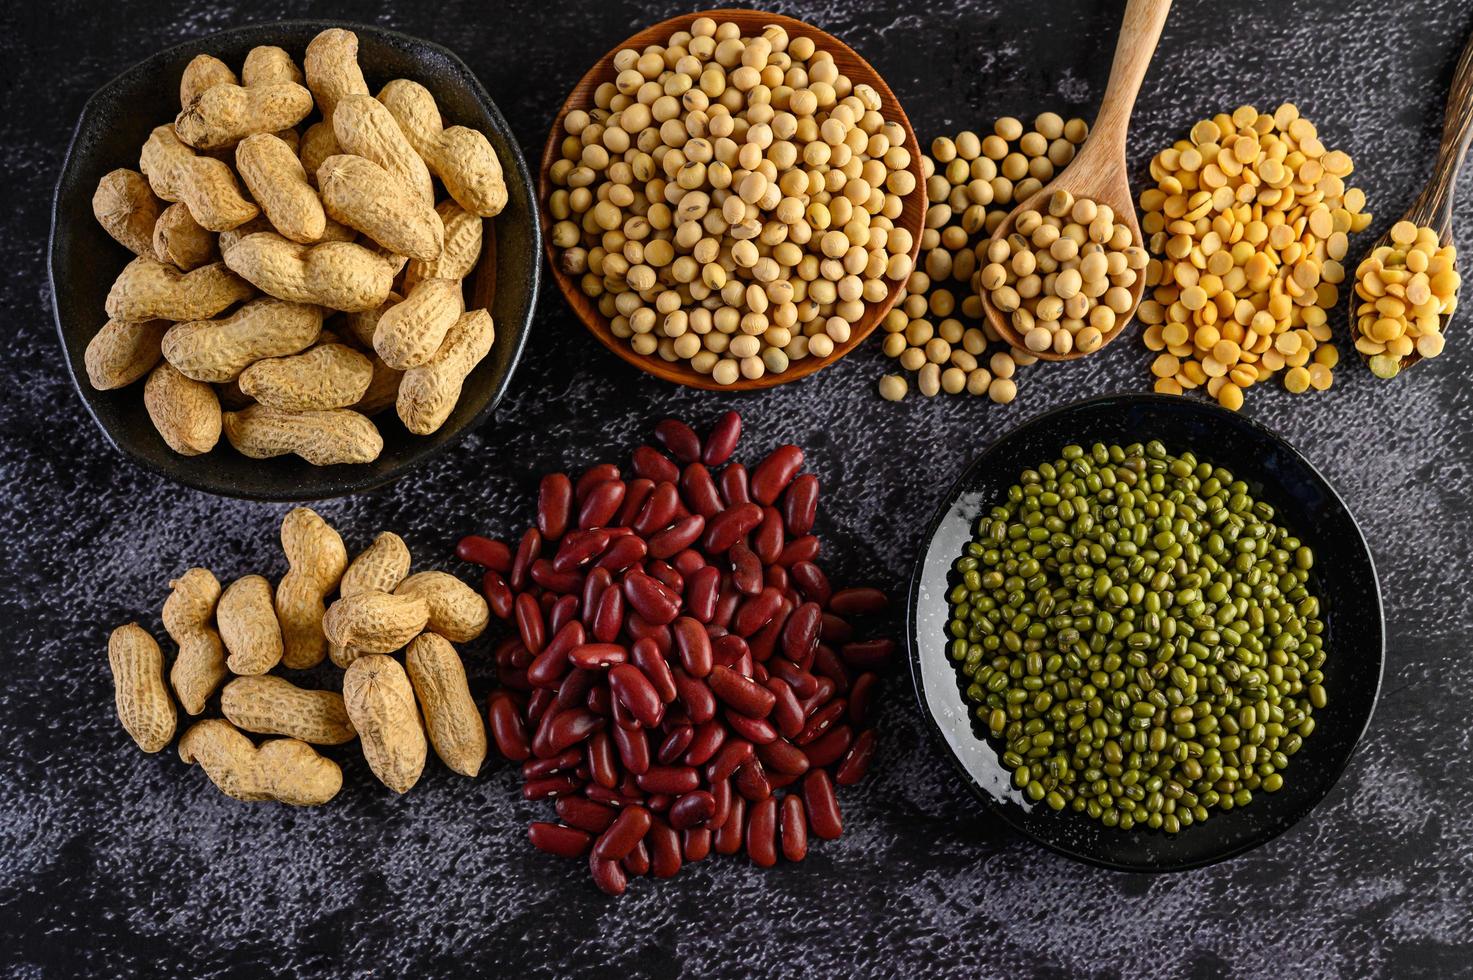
1249	222
1404	290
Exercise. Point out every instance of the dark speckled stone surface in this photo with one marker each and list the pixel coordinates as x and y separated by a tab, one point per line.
114	863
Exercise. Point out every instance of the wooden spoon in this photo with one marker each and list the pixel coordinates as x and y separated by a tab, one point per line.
1099	172
1433	208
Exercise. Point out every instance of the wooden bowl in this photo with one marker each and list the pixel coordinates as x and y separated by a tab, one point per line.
84	260
751	22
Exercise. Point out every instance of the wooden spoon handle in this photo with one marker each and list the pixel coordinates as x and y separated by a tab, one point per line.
1139	31
1435	205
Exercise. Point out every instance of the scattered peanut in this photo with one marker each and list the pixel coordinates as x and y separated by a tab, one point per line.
185	412
127	210
375	622
363	195
271	705
332	70
317	560
123	351
219	350
411	332
378	568
283	769
246	617
224	114
327	376
455	727
461	157
364	128
189	612
462	236
275	178
456	611
180	241
340	275
144	706
323	438
147	289
205	185
380	703
1405	289
429	392
203	71
1249	219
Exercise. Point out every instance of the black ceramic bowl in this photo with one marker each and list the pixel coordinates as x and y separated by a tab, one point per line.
84	260
1343	578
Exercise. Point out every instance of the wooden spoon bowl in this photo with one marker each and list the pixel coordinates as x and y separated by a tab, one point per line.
1433	208
1099	170
751	22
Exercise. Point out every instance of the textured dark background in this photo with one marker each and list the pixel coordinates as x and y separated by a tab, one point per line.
116	863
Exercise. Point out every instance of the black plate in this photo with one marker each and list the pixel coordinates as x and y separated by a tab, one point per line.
84	259
1343	577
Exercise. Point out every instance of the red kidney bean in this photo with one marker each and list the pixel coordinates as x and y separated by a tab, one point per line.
821	720
530	625
653	600
528	551
556	839
607	618
664	846
731	651
799	549
692	809
835	629
868	654
826	663
600	701
584	814
608	876
752	729
830	748
721	792
506	727
631	687
794	825
568	728
594	583
680	439
563	762
652	464
601	504
700	492
802	682
773	474
688	562
721	442
602	767
696	844
623	717
514	680
822	694
645	654
694	646
800	633
554	505
751	781
636	492
733	755
579	548
658	511
625	552
634	749
558	583
611	798
486	552
858	602
746	569
861	697
780	755
564	611
756	611
597	656
675	744
552	663
702	588
730	526
762	833
550	786
768	540
811	582
746	696
499	595
627	830
855	763
823	809
778	577
592	477
735	487
676	538
764	641
708	739
538	703
675	780
800	505
574	688
640	629
787	712
729	836
699	702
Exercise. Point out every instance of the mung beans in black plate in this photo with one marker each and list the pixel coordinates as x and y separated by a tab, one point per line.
1138	634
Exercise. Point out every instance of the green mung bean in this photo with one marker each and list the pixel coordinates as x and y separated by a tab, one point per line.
1140	636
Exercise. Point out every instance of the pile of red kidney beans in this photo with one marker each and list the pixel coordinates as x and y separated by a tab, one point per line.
682	679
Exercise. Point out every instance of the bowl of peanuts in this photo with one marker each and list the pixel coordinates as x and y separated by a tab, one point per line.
307	286
732	199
